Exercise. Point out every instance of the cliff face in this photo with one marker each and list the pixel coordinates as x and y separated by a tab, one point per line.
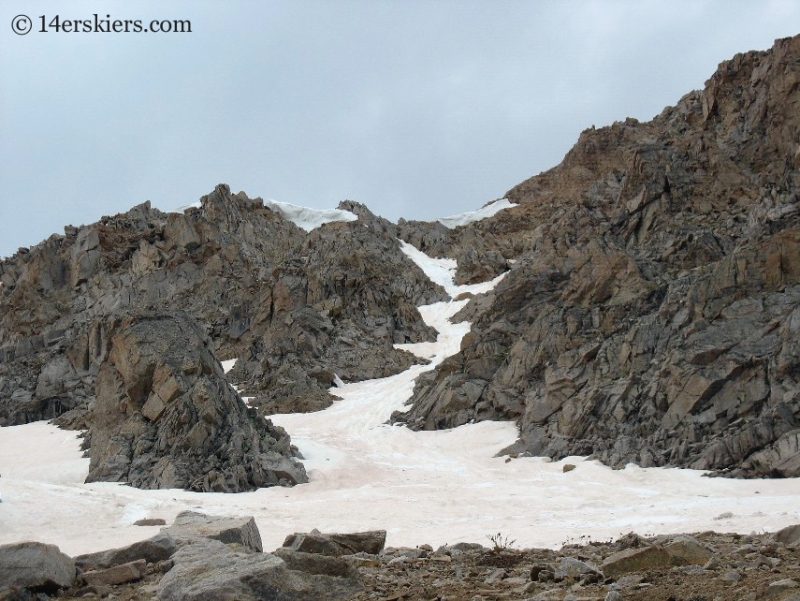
652	311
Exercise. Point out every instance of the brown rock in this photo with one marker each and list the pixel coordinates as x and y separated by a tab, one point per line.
686	550
636	560
120	574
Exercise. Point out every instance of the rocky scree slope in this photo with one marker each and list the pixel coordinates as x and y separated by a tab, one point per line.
297	307
652	311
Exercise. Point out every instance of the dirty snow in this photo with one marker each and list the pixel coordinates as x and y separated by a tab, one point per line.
423	487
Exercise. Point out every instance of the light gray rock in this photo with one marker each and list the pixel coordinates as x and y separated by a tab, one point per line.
635	560
571	568
789	535
191	526
687	550
785	589
208	570
35	565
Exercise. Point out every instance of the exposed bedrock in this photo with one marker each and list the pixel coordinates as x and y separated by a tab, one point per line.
297	307
652	310
165	417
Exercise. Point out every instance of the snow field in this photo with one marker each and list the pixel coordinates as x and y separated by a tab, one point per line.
422	487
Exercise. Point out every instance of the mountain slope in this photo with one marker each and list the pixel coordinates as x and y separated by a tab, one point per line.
653	309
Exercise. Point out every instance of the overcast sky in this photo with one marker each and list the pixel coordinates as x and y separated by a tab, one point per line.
418	109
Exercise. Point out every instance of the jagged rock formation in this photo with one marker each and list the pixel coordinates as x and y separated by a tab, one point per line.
650	314
349	292
297	307
165	417
652	311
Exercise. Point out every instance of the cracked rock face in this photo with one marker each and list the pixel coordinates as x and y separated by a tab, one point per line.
652	310
165	417
296	307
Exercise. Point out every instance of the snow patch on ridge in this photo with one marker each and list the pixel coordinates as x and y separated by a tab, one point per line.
306	218
491	208
303	217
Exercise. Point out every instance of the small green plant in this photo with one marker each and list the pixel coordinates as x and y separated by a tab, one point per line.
500	542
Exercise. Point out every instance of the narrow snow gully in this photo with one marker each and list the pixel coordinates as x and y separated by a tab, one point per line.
422	487
345	441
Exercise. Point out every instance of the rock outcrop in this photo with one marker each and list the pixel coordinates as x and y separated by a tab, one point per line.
165	417
302	311
297	307
35	566
652	308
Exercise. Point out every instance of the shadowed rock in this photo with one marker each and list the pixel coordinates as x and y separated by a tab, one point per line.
165	417
371	542
35	566
152	550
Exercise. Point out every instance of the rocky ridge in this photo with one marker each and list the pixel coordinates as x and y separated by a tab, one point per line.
651	310
301	310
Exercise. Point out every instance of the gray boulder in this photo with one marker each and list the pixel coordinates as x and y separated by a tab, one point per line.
636	560
371	542
789	535
207	570
687	550
36	566
152	550
190	526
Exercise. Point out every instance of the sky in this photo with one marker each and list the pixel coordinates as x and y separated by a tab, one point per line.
418	109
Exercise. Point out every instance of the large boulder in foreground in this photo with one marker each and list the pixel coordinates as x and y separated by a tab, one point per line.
152	550
165	416
191	526
35	566
208	569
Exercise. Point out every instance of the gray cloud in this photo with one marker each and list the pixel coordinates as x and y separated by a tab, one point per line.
418	109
